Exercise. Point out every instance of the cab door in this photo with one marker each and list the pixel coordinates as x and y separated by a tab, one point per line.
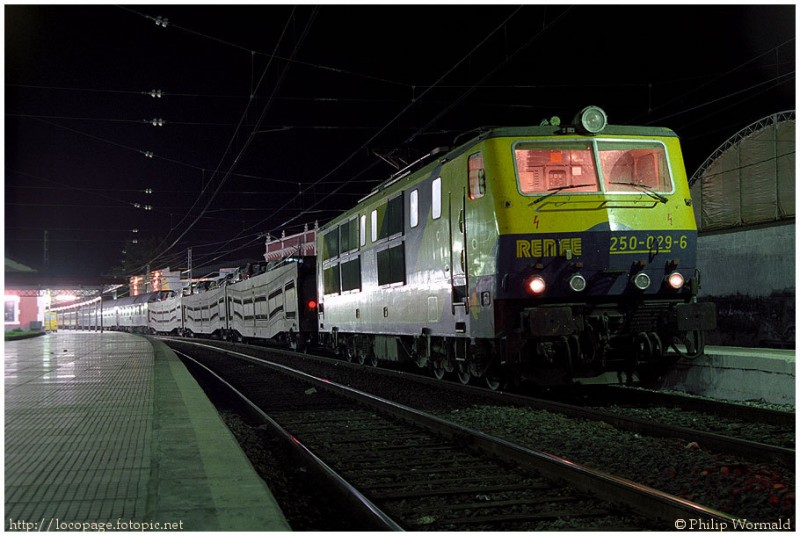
458	257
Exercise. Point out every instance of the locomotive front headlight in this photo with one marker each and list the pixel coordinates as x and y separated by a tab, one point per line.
577	282
592	119
641	280
675	280
536	285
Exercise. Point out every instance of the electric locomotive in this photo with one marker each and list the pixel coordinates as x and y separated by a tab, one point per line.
545	253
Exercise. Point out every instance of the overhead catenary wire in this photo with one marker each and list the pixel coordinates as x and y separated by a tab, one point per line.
317	191
382	129
255	128
365	144
158	156
470	90
272	55
716	78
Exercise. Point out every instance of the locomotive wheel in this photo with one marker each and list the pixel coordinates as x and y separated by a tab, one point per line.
438	372
464	376
494	378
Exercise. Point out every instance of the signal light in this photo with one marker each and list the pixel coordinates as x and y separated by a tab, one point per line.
675	280
312	304
536	285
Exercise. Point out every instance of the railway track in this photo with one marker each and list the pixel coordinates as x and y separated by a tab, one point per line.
617	394
414	471
750	443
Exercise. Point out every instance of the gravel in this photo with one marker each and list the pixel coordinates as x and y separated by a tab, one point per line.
745	490
757	492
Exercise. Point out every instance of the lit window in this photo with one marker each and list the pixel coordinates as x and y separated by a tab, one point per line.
544	168
626	165
11	309
436	198
477	177
374	225
363	231
413	208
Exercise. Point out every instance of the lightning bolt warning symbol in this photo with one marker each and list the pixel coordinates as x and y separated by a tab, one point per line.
536	221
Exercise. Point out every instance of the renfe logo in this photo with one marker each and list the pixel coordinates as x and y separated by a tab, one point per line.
548	247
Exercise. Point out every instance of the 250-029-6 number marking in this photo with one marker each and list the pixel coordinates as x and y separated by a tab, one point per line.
634	244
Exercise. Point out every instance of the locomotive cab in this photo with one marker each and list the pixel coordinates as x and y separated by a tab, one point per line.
596	253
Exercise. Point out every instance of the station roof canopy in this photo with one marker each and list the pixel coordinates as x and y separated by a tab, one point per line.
25	280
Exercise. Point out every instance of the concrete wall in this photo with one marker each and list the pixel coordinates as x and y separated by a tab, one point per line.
738	374
754	262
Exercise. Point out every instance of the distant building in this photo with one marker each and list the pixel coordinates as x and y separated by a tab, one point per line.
165	279
23	309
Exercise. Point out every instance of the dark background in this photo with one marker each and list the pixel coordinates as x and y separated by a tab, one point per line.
331	87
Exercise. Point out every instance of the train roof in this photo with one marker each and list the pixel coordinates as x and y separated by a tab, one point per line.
138	299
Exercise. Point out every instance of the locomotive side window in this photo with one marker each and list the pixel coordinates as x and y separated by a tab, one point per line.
331	244
436	198
413	208
543	168
388	219
330	280
363	231
393	223
477	176
392	265
351	274
348	234
374	225
626	165
344	237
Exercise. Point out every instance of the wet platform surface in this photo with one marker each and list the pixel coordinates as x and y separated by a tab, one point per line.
111	428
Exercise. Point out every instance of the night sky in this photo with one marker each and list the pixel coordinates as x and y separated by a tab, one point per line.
332	86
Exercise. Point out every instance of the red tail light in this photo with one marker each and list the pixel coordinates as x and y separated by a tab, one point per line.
536	285
675	280
312	305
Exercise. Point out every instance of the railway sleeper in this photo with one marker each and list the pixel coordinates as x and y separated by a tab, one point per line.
478	490
435	482
422	509
542	516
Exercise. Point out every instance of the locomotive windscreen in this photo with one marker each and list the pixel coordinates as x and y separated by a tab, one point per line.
625	166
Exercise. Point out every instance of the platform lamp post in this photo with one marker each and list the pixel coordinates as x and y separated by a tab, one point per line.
190	270
101	309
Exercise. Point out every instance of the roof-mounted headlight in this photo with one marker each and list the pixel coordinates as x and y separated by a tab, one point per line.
591	120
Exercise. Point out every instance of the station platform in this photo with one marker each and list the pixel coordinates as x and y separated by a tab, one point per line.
738	374
110	432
